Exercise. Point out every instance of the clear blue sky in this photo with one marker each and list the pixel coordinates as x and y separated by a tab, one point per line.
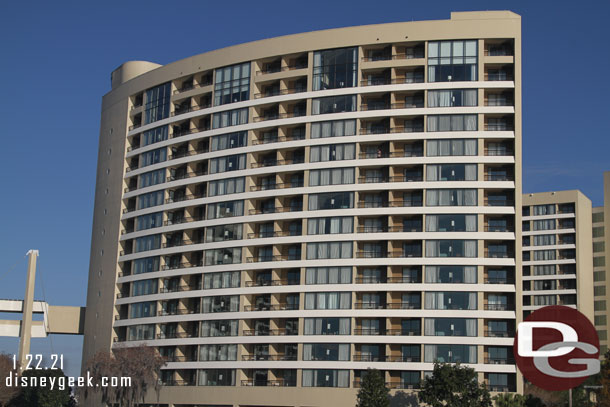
56	59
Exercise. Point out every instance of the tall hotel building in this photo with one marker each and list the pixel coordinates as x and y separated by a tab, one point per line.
278	216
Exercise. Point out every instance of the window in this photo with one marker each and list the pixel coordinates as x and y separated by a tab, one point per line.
331	176
451	223
321	226
150	199
227	186
452	61
153	136
451	300
228	163
143	309
599	276
545	270
216	377
152	178
599	290
230	255
226	327
598	231
335	68
157	103
450	353
325	378
328	275
145	265
329	250
451	172
335	128
600	320
220	303
544	224
599	261
331	200
450	327
457	147
231	140
153	157
544	240
598	217
144	287
332	152
545	285
326	351
453	122
217	352
544	210
451	197
327	326
226	279
325	300
223	233
146	243
540	255
232	84
599	247
225	209
141	332
153	220
230	118
451	274
334	104
451	248
449	98
599	305
498	381
545	299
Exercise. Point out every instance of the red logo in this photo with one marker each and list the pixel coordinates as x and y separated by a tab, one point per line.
557	348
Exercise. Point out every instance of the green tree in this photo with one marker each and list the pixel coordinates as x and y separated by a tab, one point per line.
603	396
44	396
373	391
533	401
509	400
455	386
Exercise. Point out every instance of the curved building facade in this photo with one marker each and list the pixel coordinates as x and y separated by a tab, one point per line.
276	217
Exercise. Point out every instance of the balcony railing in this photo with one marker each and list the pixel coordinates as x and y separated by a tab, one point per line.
276	69
373	204
406	202
184	132
278	139
499	361
372	180
497	334
375	81
270	332
499	202
260	259
163	313
181	265
277	116
372	229
411	104
186	175
275	307
273	383
175	335
268	357
192	86
375	106
267	283
173	382
277	209
188	109
182	154
499	177
278	92
497	280
395	385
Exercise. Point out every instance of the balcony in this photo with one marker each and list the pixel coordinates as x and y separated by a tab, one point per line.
372	180
497	334
270	332
272	383
278	92
277	68
499	307
277	116
278	357
499	361
269	283
372	229
176	382
269	307
183	154
407	202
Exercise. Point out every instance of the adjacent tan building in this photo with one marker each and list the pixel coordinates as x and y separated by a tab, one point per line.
601	252
278	216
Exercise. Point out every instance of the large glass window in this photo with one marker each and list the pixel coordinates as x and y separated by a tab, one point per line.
451	248
150	199
325	226
327	326
457	147
231	140
451	274
325	378
450	327
453	122
141	332
331	176
220	303
450	353
328	275
153	157
455	97
143	309
152	178
331	200
451	197
217	352
226	279
452	61
227	186
335	128
326	351
332	152
153	136
144	287
544	224
153	220
334	104
329	250
146	265
157	103
216	377
228	163
232	84
454	300
230	118
223	233
544	240
451	223
451	172
223	327
229	255
146	243
225	209
335	68
544	209
333	300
